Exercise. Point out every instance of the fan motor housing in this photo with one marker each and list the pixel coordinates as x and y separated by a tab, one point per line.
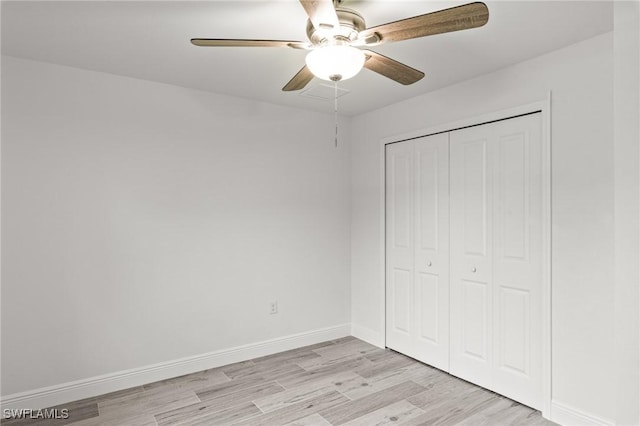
351	23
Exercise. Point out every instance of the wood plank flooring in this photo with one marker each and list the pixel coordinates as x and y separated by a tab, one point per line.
340	382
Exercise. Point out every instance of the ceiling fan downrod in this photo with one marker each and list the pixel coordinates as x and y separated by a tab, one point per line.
335	109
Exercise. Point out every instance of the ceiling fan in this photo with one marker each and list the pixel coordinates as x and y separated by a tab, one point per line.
339	38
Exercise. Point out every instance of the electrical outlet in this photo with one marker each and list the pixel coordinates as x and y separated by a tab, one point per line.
273	308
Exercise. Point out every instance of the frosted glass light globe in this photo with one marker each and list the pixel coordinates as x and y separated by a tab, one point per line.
335	63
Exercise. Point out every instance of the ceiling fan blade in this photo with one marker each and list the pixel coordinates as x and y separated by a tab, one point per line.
225	42
321	13
301	79
391	68
458	18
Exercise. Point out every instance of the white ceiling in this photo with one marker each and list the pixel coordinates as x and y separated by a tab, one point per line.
150	40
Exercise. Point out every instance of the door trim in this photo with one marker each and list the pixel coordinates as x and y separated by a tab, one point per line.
544	108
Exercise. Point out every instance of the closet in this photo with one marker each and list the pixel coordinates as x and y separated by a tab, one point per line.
464	254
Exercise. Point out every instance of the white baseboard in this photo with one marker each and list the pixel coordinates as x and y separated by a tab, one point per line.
368	335
570	416
86	388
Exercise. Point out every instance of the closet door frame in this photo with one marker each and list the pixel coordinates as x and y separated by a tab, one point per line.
544	108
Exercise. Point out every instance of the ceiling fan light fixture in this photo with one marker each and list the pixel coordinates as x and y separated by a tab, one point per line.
336	62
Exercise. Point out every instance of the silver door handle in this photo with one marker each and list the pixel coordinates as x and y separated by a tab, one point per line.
429	263
473	269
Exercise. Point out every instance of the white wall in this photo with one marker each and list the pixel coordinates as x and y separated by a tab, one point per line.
580	78
143	223
0	210
627	209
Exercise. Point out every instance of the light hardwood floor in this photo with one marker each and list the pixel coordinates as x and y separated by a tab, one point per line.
340	382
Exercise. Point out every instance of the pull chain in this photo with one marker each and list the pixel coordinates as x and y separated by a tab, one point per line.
335	109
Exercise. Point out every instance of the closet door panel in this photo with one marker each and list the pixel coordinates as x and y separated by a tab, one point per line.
431	343
496	251
474	320
471	240
428	308
401	299
518	258
399	247
417	242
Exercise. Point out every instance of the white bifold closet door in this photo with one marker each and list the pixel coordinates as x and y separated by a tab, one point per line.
496	257
464	254
417	247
